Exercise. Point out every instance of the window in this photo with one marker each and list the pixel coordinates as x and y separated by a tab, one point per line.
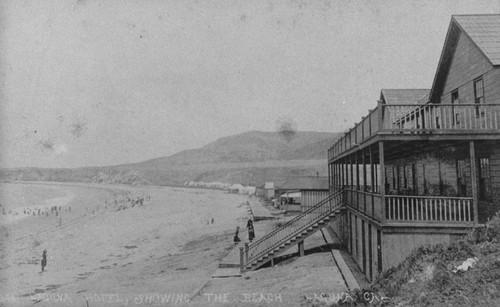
479	95
455	100
484	179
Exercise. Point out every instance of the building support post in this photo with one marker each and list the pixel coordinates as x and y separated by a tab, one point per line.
363	160
356	160
242	264
246	252
301	248
372	179
474	179
382	177
344	174
351	183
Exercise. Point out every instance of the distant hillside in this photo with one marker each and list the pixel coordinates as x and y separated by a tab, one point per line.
254	146
249	158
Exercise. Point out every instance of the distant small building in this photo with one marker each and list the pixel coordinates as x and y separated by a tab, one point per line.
260	191
302	193
269	190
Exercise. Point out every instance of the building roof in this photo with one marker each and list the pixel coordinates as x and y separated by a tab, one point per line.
483	31
404	96
304	183
269	185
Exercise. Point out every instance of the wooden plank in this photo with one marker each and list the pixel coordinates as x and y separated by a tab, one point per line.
351	282
473	167
382	178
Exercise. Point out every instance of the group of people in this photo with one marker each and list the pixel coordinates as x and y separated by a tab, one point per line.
251	232
44	211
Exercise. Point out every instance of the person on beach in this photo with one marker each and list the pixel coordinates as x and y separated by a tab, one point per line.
236	238
251	231
44	259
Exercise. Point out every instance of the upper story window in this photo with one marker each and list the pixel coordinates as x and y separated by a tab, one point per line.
454	100
479	95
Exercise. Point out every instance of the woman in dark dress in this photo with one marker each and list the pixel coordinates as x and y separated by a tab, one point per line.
44	259
251	231
236	238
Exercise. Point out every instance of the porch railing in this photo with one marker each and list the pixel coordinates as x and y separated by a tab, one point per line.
420	118
441	117
292	228
428	209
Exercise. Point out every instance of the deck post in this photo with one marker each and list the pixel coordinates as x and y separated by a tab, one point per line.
364	179
372	180
343	174
380	106
301	248
473	173
382	177
356	160
242	264
246	252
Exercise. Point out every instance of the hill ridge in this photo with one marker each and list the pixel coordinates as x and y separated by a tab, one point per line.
249	157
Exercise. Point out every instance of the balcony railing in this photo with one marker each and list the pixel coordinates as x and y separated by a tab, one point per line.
412	209
428	209
369	203
442	117
420	119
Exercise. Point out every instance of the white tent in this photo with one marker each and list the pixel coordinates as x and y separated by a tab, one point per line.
291	194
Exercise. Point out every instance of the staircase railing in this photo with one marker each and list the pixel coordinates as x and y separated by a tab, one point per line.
293	227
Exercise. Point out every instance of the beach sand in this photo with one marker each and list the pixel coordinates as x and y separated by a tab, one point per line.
167	246
111	250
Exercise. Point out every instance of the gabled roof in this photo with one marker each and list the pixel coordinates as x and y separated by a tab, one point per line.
483	31
304	183
404	96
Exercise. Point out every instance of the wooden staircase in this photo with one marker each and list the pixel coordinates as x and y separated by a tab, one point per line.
295	231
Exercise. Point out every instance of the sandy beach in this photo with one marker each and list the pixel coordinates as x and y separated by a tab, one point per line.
107	251
117	245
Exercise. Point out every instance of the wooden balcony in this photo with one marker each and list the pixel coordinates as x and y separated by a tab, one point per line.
426	119
429	209
368	203
436	211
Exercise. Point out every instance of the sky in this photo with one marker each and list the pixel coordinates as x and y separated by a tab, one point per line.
106	82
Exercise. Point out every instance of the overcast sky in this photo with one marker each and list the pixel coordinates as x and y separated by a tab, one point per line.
92	82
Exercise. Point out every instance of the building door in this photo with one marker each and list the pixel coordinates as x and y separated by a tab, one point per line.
484	179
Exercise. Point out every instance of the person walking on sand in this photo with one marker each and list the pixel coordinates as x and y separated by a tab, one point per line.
44	259
251	231
236	238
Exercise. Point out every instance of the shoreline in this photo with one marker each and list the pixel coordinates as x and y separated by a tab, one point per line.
164	244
